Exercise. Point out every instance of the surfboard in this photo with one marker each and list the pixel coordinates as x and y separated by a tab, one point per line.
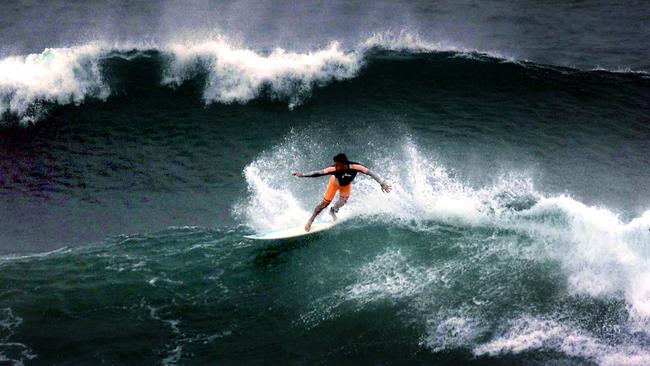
292	232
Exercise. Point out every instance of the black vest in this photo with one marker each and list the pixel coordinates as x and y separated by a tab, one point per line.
346	176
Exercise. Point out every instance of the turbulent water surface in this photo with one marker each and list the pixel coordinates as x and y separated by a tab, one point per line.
140	142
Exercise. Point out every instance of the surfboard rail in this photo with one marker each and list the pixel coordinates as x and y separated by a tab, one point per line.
291	232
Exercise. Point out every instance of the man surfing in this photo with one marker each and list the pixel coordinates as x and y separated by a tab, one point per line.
342	174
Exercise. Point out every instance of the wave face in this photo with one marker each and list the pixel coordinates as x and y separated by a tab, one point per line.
31	85
516	232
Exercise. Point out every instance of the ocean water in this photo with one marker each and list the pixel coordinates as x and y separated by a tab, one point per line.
139	142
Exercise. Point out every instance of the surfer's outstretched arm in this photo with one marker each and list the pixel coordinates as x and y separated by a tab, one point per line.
315	173
363	169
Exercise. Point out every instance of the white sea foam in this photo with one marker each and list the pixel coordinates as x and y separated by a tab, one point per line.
600	255
240	74
533	333
406	41
392	276
271	207
452	332
409	42
389	276
57	75
174	352
12	353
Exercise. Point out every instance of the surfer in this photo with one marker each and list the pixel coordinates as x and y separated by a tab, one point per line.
342	174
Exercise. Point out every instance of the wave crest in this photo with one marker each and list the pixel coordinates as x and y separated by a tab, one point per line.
233	73
240	75
56	75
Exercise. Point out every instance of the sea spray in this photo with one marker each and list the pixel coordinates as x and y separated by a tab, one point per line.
240	75
57	75
599	255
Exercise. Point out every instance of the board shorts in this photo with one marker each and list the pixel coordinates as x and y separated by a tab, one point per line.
333	186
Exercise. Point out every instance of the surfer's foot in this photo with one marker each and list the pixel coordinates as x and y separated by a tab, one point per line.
308	226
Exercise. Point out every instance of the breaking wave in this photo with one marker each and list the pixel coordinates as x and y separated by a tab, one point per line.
596	254
232	73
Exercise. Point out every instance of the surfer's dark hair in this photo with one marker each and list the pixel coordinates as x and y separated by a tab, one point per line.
341	158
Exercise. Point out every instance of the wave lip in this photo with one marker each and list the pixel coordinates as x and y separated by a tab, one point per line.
56	75
239	75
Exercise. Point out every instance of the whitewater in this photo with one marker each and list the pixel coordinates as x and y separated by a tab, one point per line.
599	254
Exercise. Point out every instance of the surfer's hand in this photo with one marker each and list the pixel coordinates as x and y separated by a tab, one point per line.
297	174
386	188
